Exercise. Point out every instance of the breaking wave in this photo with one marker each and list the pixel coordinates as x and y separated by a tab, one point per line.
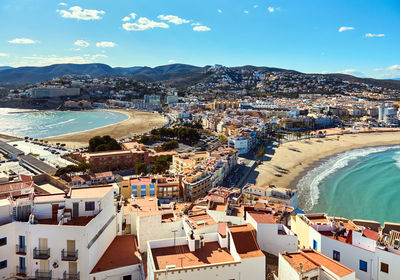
308	185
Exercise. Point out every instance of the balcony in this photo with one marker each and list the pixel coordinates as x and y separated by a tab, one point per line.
20	250
41	254
69	255
71	276
42	275
21	271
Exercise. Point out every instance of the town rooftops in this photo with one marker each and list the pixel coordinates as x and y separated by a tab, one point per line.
182	257
121	252
311	259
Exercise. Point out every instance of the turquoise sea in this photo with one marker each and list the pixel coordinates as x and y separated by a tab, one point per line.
361	183
53	123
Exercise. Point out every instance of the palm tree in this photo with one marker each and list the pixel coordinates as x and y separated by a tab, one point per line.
298	134
279	137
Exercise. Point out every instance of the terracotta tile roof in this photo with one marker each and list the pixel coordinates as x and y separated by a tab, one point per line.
180	256
121	252
222	229
327	263
245	241
371	234
297	259
262	218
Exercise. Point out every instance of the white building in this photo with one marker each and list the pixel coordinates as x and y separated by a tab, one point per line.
53	92
310	264
372	255
232	253
242	144
60	236
272	237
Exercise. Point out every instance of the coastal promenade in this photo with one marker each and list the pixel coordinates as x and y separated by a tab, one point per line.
290	160
137	123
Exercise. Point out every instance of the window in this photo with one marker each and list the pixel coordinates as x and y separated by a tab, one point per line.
3	241
314	278
3	264
89	206
363	266
384	267
127	277
336	255
315	244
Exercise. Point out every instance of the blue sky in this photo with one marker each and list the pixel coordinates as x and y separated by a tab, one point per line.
360	37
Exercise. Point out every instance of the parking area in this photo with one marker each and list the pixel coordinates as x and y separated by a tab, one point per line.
49	155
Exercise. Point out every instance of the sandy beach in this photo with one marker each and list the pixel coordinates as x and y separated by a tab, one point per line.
138	122
290	159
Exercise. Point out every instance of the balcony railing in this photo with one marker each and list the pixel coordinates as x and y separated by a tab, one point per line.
21	271
41	254
69	255
42	275
20	249
71	276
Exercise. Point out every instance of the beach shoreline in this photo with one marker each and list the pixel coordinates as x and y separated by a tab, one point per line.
291	161
137	122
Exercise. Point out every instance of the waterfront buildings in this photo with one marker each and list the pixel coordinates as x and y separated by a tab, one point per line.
53	92
310	264
371	254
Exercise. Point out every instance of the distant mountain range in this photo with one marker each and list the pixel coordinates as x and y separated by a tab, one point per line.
175	74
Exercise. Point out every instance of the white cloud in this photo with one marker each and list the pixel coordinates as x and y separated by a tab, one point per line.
144	24
171	61
126	19
345	28
394	68
255	6
62	4
195	24
105	44
173	19
201	28
81	43
35	60
3	54
246	11
271	9
389	72
22	41
353	72
81	14
371	35
133	15
219	11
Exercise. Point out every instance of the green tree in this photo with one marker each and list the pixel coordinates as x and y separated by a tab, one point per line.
141	168
171	145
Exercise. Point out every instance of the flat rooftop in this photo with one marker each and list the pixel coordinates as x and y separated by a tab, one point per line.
121	252
144	206
180	256
262	218
89	192
201	220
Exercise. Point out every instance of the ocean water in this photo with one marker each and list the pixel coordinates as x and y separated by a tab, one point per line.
53	123
361	183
